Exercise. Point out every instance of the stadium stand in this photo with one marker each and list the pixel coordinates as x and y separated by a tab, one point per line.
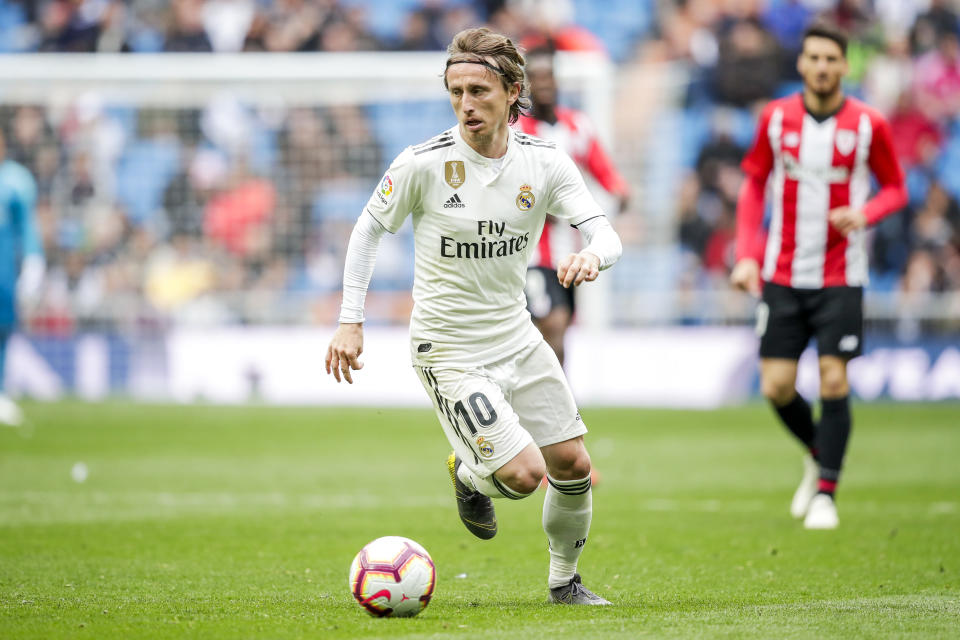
150	208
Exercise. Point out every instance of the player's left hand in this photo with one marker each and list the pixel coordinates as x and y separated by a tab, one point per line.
577	268
847	219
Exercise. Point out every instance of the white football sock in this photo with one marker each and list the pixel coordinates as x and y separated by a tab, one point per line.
567	510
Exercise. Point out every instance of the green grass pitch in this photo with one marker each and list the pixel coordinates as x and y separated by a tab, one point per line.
214	522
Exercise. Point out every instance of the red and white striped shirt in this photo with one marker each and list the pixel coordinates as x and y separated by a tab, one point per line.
816	167
574	134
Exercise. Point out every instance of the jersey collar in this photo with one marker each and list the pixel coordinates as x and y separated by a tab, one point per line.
471	154
823	117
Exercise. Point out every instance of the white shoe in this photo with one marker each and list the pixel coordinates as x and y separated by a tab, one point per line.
10	414
807	489
822	513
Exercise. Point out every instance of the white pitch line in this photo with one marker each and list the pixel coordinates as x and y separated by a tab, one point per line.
83	506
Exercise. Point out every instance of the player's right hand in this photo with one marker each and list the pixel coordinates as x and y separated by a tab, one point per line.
577	268
344	351
746	276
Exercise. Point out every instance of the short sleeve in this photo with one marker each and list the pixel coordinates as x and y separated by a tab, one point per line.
759	159
570	199
397	194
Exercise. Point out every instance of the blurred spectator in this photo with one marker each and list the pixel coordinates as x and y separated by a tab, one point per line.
748	64
186	32
237	217
693	231
718	156
940	18
718	176
288	25
786	22
31	138
227	22
420	30
72	25
178	273
340	34
353	142
347	30
937	222
853	16
889	75
916	138
186	196
552	21
719	254
937	78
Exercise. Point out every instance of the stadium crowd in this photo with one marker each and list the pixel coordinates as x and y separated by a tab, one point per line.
152	209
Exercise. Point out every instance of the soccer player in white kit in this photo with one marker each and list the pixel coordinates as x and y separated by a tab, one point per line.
479	193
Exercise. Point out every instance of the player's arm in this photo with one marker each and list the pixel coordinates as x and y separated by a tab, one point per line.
892	195
603	248
347	343
756	166
571	201
749	238
389	205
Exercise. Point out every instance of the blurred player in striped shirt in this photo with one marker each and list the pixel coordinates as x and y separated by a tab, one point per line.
551	304
815	151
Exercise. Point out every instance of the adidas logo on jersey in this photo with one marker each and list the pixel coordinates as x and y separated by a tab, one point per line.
454	202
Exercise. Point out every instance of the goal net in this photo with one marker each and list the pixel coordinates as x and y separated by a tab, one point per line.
180	188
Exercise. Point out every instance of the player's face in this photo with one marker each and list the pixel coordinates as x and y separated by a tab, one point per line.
479	100
543	84
822	65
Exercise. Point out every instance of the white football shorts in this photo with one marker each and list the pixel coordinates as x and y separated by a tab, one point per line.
490	413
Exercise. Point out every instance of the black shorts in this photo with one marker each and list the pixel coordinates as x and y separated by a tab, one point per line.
544	293
788	318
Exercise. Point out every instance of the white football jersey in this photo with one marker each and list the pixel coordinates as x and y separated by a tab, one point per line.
475	228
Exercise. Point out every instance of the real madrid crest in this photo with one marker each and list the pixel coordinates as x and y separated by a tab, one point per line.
526	199
454	173
486	448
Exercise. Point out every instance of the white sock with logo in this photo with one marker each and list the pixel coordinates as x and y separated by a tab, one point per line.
567	510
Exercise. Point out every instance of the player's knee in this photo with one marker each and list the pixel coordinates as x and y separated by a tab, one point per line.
524	480
834	386
833	381
574	466
779	392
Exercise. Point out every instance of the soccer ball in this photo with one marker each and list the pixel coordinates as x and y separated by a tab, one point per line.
393	576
